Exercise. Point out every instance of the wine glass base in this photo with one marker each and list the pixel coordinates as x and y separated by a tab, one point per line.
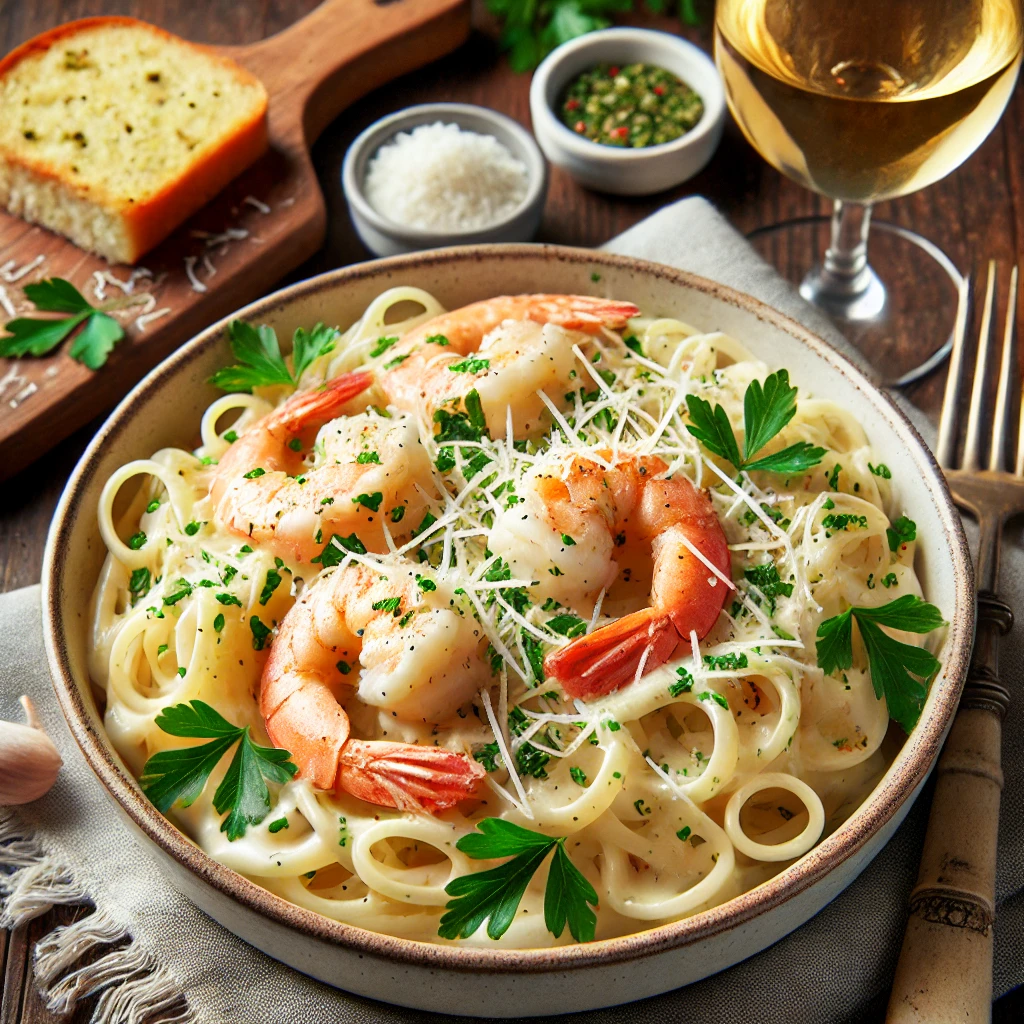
902	320
869	305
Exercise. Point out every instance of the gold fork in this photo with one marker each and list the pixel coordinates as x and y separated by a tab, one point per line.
944	972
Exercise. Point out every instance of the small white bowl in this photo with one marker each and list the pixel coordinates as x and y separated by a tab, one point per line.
385	237
629	172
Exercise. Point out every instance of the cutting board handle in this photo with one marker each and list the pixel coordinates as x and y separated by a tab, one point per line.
345	48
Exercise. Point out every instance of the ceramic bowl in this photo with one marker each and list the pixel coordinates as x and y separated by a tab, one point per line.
632	172
385	237
165	409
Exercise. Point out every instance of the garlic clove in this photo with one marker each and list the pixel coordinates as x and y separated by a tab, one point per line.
29	761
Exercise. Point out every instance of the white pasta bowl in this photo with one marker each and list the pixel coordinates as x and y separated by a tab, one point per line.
165	409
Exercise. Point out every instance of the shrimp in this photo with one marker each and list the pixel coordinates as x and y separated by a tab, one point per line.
519	344
626	529
405	650
366	468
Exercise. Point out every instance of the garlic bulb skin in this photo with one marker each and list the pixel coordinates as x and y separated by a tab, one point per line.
29	761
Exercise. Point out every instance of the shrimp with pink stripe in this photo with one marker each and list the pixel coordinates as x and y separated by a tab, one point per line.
506	349
387	642
621	525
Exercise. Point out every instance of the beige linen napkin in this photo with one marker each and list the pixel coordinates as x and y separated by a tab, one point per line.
835	968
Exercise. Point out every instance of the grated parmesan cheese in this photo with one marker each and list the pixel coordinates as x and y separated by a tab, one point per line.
440	178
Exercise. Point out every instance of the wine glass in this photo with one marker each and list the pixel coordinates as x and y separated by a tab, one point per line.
864	101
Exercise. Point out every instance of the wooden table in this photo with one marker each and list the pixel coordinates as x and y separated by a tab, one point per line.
975	214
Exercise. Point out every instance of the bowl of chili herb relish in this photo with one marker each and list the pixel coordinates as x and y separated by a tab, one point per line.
632	106
628	111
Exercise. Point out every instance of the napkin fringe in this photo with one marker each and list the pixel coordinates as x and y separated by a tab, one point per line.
131	985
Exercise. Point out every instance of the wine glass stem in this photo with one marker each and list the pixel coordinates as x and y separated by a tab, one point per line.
846	258
845	286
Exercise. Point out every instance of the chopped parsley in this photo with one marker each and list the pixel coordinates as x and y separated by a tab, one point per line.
336	549
684	684
272	583
726	662
471	365
902	531
370	501
260	632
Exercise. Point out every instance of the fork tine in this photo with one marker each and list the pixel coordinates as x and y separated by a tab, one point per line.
1007	369
972	442
945	449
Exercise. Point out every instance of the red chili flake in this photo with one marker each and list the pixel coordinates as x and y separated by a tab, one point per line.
613	71
572	105
621	132
659	90
580	126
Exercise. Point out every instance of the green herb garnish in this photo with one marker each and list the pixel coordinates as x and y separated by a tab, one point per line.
93	343
900	672
494	895
767	409
181	775
260	363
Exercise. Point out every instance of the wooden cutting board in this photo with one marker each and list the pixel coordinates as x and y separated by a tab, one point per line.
261	226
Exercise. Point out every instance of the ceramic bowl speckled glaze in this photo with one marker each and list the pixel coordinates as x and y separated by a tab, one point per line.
165	409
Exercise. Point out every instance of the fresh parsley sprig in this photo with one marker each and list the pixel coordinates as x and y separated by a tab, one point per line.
173	775
494	895
28	336
900	672
767	409
260	363
533	28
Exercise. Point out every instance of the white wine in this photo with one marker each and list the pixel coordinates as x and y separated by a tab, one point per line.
864	100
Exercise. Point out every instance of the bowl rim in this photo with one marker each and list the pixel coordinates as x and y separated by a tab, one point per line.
597	152
381	131
901	780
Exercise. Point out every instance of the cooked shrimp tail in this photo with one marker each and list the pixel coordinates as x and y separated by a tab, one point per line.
419	666
631	507
406	776
315	407
611	656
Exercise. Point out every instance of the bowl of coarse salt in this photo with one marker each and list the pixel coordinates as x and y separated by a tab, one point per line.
443	174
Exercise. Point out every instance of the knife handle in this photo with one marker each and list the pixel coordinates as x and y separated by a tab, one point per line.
944	974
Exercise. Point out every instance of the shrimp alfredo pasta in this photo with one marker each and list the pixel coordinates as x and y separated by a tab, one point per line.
533	622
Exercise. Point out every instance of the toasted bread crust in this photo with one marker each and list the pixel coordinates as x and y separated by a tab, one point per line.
147	222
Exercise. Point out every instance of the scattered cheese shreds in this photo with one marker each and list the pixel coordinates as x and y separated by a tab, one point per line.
440	178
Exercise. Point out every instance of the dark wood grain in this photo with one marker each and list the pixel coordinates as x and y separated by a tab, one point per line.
975	214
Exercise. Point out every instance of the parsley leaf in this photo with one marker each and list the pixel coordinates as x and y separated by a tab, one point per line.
55	295
309	346
494	895
767	409
180	775
712	428
259	359
899	672
93	343
568	897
